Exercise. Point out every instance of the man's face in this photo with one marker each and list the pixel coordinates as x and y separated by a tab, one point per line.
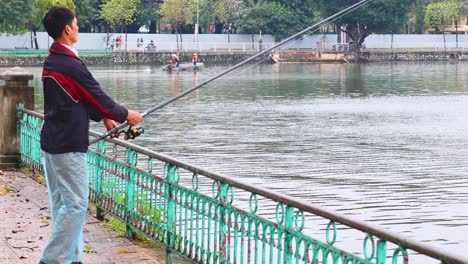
71	31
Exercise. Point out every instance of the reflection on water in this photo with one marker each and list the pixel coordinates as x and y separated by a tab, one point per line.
381	142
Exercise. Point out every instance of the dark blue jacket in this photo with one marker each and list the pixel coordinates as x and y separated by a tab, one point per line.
71	98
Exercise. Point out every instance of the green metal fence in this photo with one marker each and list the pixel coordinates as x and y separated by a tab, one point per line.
45	52
210	218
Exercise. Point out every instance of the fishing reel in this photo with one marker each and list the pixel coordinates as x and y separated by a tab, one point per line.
131	133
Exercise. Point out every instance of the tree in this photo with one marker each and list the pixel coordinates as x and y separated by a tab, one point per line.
304	11
40	7
119	12
15	15
207	17
87	12
378	16
271	18
178	13
283	22
254	18
148	14
438	15
418	12
228	11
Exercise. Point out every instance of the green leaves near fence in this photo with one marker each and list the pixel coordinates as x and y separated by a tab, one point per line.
209	218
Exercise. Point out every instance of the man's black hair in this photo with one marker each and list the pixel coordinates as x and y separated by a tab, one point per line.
56	19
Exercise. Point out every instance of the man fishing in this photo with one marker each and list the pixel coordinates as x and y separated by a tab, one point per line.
194	59
71	98
175	60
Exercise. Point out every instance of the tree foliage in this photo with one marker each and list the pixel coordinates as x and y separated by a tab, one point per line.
254	17
40	7
148	14
274	18
88	13
439	15
378	16
15	15
417	14
119	12
278	17
228	11
178	13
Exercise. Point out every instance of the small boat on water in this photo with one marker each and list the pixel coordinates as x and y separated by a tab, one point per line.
183	67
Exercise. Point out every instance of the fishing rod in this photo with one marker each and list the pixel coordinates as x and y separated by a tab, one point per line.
131	133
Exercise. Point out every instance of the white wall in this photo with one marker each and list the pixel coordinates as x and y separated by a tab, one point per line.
415	41
98	40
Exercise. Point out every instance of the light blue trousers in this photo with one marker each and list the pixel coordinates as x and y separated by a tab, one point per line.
67	183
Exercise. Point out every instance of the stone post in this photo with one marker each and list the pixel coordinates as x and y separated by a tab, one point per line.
16	90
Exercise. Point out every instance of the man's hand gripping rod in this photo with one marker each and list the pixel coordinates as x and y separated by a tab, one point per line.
161	105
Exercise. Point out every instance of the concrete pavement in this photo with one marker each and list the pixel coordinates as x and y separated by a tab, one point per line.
25	228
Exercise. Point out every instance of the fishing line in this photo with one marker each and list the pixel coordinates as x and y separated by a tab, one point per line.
305	31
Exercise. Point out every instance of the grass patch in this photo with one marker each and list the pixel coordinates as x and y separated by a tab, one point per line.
139	238
26	170
33	174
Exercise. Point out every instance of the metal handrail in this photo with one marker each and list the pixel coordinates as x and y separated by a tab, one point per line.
366	227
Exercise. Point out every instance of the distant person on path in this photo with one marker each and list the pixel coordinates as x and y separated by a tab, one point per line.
71	98
151	46
119	42
113	44
175	60
195	59
138	44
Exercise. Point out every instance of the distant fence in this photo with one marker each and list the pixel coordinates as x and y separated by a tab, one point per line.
210	218
45	52
400	47
168	42
193	46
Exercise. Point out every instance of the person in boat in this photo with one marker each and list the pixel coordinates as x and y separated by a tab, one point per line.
195	59
175	60
169	65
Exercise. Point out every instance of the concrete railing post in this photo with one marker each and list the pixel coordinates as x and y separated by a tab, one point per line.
16	90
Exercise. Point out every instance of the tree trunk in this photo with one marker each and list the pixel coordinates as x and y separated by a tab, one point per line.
253	45
445	44
35	39
152	28
177	37
125	38
180	33
359	33
392	41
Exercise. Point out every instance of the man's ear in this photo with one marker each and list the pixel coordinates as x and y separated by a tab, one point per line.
67	29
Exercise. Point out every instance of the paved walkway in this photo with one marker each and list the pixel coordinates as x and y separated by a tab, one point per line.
25	228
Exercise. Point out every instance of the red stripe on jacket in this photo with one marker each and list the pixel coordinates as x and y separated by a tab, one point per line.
77	92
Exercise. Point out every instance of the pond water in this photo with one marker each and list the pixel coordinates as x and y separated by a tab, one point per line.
386	143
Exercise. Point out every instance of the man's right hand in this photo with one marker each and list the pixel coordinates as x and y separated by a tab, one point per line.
134	118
